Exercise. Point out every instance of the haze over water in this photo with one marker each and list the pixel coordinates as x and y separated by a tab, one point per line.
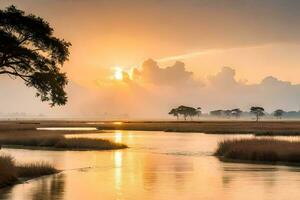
157	166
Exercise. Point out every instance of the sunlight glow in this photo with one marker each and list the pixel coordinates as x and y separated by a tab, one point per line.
118	74
118	137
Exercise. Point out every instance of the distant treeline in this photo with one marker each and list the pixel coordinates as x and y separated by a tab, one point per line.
187	112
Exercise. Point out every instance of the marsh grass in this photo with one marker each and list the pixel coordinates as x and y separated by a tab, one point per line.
60	143
260	150
88	143
296	133
11	173
8	175
32	170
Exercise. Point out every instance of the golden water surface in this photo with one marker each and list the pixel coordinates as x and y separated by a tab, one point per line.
157	166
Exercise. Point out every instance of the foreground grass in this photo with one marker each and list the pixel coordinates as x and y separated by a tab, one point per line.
59	143
277	133
32	170
260	150
8	173
11	173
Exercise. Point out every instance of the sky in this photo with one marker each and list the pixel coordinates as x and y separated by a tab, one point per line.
138	59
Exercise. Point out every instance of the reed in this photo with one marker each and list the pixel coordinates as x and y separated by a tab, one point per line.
8	175
32	170
260	150
59	142
11	173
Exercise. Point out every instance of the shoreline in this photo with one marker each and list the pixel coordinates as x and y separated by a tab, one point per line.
41	148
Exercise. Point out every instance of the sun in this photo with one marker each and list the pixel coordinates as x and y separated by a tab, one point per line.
118	74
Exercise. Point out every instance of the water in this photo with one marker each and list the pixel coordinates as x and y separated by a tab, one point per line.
158	166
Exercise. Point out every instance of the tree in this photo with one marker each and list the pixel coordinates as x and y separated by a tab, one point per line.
257	111
174	112
199	112
278	113
217	113
185	111
236	112
227	113
28	50
192	112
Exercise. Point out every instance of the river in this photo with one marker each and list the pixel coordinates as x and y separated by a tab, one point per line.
157	166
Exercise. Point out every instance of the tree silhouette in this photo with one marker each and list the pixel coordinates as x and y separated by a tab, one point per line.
217	113
278	113
174	112
257	111
199	112
28	50
227	113
236	112
185	111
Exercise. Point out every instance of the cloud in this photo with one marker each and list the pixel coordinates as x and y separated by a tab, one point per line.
227	92
153	91
173	75
224	78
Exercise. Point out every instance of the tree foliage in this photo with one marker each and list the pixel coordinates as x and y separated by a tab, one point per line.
227	113
236	112
185	111
278	113
257	111
28	50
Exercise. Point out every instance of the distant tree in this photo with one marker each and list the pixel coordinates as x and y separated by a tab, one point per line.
216	113
174	112
28	50
257	111
185	111
199	112
182	111
236	112
278	113
192	112
227	113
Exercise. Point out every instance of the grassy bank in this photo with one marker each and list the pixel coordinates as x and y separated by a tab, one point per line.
213	127
260	150
58	143
11	173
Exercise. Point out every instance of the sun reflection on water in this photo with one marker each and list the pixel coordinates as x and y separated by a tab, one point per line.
118	172
118	136
117	123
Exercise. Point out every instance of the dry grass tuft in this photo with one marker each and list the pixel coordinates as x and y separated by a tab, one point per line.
8	175
88	143
62	143
31	170
262	150
10	172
